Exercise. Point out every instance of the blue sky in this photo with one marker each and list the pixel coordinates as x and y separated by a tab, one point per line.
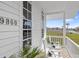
74	22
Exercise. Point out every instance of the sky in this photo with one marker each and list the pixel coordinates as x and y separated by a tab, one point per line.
73	22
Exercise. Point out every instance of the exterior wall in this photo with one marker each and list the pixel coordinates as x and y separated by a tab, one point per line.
36	25
10	35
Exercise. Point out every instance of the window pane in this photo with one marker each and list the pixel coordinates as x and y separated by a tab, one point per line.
24	44
25	4
24	24
25	13
29	33
24	34
29	15
29	6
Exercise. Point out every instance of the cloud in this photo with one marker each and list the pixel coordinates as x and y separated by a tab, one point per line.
69	20
76	17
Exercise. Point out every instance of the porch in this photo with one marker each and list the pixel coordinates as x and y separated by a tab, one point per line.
56	47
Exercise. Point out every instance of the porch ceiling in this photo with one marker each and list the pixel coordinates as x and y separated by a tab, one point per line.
70	7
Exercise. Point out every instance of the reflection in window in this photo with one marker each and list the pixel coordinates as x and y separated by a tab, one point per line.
29	15
29	33
26	24
26	43
25	13
24	34
29	6
25	4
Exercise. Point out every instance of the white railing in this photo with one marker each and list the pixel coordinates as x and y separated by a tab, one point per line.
72	48
55	39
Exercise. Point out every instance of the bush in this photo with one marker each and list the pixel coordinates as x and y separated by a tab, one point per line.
29	52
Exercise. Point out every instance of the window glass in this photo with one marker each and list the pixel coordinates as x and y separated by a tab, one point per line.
25	4
29	15
25	13
29	6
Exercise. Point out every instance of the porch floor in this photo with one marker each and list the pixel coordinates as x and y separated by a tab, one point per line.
64	53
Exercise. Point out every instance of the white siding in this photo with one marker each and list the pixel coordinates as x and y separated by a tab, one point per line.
10	35
36	25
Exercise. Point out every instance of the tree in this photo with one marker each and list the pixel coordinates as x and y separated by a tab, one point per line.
67	25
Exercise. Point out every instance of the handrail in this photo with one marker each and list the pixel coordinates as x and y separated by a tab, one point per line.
72	41
56	36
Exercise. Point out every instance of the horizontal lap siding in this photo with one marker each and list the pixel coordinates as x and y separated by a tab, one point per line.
8	28
9	34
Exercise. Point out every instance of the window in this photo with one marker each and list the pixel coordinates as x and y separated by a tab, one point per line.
25	4
24	24
24	34
25	13
26	43
27	23
29	15
29	33
29	6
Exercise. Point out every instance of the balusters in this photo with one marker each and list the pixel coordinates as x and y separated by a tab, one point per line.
55	39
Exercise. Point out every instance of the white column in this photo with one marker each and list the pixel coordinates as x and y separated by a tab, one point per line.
64	28
44	26
44	42
44	31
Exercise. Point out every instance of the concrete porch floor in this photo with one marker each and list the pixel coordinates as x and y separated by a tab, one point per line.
64	53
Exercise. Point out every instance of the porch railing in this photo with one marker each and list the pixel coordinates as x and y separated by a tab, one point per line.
54	45
72	47
55	39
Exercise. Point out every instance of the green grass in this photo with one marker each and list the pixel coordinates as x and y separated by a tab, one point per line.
54	33
74	37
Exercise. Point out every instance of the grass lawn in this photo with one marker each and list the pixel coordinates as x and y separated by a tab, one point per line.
54	33
74	37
